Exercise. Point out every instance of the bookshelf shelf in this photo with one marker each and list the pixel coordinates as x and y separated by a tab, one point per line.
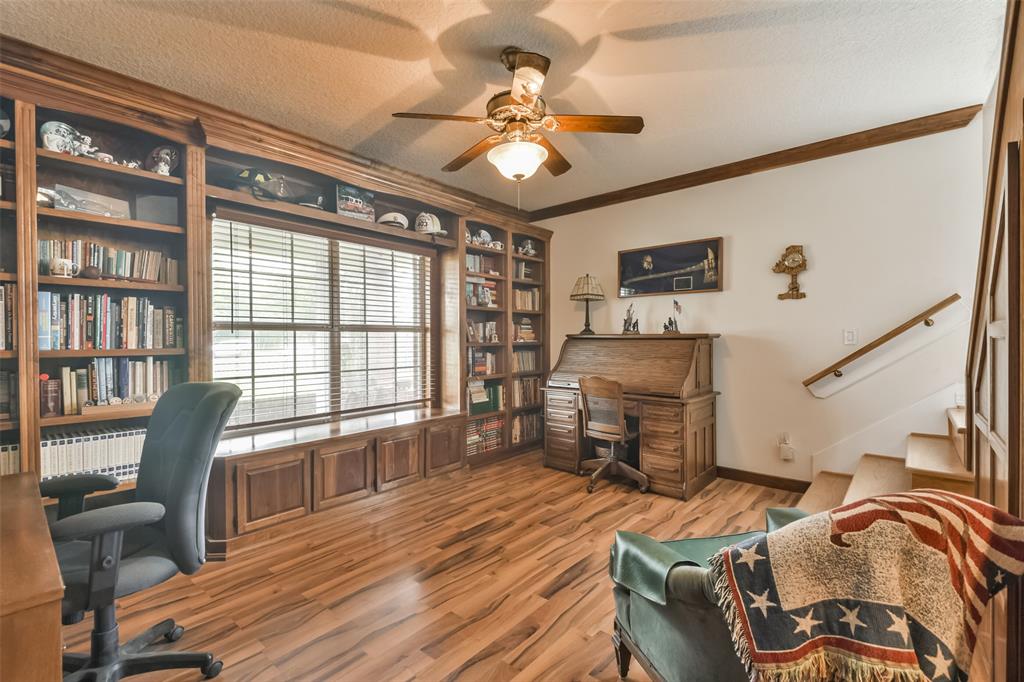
474	248
6	144
527	343
87	165
110	353
535	259
236	197
8	354
123	223
110	284
8	425
8	277
485	415
484	309
532	373
530	282
485	275
8	205
476	344
125	413
485	377
528	312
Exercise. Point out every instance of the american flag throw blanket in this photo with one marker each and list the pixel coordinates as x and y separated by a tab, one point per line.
887	588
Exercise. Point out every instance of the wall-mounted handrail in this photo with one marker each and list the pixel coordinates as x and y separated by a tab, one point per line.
836	368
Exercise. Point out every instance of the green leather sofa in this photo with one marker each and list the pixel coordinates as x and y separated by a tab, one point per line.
666	612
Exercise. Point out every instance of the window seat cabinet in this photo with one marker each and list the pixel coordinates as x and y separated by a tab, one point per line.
254	495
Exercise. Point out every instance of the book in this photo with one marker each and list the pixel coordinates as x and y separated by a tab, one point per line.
50	398
43	306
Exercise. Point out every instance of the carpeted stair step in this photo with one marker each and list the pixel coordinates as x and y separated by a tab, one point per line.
933	462
826	492
877	475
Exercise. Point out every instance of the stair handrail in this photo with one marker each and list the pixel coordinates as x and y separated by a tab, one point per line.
925	316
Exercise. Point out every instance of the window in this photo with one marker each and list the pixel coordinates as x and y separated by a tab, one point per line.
309	326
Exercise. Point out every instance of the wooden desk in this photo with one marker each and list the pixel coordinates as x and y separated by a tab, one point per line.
667	383
30	585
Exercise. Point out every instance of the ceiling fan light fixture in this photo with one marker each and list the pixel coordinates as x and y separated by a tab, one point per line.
517	160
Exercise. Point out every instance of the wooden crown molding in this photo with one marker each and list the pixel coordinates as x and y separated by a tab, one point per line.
895	132
44	77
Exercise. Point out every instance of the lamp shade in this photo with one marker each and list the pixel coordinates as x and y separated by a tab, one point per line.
587	288
517	160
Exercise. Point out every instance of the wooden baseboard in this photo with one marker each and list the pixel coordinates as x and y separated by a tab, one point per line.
790	484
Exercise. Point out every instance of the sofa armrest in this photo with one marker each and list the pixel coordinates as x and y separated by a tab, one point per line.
97	522
691	585
643	565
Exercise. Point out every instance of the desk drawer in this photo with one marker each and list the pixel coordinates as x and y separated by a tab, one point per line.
660	429
562	401
662	447
560	432
561	416
662	468
665	411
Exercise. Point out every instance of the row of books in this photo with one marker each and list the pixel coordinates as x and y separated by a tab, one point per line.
482	263
106	381
524	329
481	292
526	391
527	427
483	332
486	397
146	265
10	459
97	450
97	321
8	395
525	361
9	316
524	269
482	362
484	435
527	299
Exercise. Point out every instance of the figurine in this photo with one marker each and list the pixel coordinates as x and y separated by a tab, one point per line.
527	248
672	326
82	146
630	325
482	238
162	160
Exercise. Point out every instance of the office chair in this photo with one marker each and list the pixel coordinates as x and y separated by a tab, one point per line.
604	420
113	551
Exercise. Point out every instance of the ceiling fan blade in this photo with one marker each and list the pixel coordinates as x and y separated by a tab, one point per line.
528	79
440	117
555	163
473	152
594	124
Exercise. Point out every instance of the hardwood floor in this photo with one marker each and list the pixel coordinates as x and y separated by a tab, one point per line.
500	573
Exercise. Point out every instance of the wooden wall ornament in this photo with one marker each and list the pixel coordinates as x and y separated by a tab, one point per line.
792	263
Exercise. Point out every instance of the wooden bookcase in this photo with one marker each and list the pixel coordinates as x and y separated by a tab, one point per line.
506	288
24	222
127	118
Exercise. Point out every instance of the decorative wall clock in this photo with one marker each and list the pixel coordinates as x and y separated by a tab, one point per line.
792	263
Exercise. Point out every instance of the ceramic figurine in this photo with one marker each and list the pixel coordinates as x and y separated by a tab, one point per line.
672	326
58	137
630	325
527	248
162	160
82	146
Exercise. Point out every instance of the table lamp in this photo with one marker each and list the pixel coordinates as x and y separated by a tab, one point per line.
587	289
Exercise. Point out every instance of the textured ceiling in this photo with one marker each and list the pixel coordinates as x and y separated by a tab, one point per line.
715	81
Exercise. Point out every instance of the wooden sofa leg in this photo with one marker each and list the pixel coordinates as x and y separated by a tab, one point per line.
622	654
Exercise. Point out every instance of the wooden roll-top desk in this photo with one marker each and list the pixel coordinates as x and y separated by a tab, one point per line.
667	381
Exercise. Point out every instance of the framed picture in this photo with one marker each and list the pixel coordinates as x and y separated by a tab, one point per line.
680	268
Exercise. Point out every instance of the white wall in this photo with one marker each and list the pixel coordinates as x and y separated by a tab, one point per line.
887	231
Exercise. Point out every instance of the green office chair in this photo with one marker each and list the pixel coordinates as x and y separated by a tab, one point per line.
118	550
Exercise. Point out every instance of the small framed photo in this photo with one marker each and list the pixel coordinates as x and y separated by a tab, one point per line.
680	268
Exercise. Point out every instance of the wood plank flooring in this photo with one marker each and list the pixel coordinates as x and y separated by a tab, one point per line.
495	574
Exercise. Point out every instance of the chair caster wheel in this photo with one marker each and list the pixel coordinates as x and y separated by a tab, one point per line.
590	488
175	634
644	489
213	669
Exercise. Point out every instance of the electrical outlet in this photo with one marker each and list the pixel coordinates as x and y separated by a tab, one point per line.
850	337
787	453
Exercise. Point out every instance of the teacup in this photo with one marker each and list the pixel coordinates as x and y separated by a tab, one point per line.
63	267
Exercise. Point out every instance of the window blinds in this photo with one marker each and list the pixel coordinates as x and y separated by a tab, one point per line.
309	326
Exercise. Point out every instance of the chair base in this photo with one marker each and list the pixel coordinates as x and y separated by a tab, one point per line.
611	465
130	659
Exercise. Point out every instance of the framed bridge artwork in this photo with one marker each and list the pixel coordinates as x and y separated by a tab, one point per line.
680	268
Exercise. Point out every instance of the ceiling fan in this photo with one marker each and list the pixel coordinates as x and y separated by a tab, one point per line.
518	116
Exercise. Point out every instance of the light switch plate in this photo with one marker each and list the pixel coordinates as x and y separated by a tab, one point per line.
850	337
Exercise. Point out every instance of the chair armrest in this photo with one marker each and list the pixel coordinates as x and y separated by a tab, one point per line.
691	585
77	484
107	520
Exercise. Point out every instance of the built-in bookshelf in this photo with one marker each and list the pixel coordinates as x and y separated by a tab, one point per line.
102	270
506	351
10	445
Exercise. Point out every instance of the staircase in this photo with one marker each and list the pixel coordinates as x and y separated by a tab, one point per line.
932	461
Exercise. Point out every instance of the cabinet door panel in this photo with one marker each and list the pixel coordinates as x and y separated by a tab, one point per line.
444	448
399	459
272	489
342	473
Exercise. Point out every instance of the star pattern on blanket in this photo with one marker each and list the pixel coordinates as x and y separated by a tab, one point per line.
748	556
805	624
899	626
851	619
761	602
940	663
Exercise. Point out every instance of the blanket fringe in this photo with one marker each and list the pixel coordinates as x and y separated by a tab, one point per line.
826	665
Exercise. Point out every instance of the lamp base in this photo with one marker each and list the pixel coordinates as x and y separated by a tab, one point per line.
587	331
